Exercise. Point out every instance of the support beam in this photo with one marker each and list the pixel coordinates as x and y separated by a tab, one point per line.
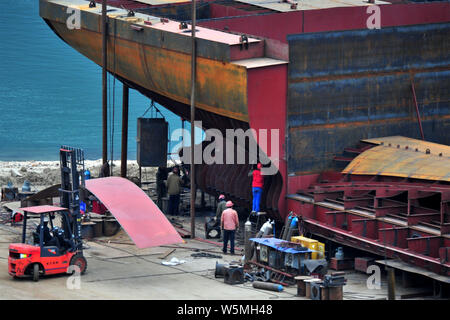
193	80
104	86
123	158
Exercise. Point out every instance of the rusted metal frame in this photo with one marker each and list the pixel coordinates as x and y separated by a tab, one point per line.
375	247
417	209
444	254
328	194
209	178
428	246
235	181
382	211
364	223
365	74
350	203
342	159
425	217
398	240
267	194
278	186
417	108
384	187
334	214
271	269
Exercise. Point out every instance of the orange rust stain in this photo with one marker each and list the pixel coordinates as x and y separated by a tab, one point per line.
360	123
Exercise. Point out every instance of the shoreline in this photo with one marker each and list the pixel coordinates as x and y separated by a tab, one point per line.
45	173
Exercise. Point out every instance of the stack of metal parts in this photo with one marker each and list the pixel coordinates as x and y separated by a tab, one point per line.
232	274
336	279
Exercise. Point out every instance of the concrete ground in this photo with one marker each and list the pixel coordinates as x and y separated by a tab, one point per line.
119	270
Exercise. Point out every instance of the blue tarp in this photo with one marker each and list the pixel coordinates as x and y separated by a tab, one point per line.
276	244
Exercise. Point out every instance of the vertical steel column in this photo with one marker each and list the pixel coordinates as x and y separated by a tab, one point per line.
182	139
104	85
193	79
391	283
123	158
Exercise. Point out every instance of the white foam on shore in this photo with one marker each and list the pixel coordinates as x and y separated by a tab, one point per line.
42	174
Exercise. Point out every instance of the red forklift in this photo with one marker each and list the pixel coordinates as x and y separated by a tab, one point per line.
54	249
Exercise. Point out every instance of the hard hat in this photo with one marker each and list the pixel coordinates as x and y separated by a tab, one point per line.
45	219
229	204
221	197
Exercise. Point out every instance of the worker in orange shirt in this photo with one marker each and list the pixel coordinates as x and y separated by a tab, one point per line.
229	224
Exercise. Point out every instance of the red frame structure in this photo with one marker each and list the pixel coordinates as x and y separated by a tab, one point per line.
382	215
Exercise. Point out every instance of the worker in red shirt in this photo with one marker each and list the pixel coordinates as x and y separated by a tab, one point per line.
257	187
229	223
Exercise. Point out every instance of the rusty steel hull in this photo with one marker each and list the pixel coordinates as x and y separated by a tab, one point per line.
337	88
350	85
160	64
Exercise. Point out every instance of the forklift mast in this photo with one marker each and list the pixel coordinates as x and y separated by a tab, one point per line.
72	168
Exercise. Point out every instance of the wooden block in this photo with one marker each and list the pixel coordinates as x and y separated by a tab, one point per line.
308	286
362	263
301	285
324	293
343	264
335	293
308	290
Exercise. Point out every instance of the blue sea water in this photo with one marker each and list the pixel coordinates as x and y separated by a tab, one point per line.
51	95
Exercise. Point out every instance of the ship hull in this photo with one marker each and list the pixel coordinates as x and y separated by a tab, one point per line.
324	81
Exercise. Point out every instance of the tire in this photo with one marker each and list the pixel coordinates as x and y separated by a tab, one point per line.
35	272
80	261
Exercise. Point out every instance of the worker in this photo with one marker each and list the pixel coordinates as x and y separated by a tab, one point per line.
105	170
161	190
222	205
257	187
174	184
229	223
47	238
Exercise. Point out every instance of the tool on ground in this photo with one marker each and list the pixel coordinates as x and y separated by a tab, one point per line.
267	286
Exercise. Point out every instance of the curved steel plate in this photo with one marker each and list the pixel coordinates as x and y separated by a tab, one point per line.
135	211
403	157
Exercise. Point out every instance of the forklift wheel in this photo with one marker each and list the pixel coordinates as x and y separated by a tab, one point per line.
80	261
35	272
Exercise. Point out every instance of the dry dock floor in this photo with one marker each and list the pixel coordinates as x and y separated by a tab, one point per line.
119	270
